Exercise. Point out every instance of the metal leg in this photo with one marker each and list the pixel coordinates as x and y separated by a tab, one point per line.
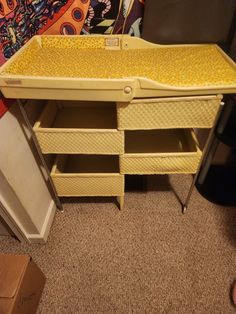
53	190
208	160
210	143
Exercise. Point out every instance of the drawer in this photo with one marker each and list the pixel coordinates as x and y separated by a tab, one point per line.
160	152
79	127
165	113
82	175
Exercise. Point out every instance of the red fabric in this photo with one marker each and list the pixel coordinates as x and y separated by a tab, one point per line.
4	105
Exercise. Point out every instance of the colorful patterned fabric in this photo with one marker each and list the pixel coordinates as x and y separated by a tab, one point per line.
22	19
114	16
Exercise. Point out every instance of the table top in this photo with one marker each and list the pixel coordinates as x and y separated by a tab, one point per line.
60	62
182	66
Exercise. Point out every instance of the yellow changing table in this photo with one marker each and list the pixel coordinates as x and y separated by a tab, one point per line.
118	105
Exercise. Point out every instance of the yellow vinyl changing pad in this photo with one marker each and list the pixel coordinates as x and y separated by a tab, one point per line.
117	68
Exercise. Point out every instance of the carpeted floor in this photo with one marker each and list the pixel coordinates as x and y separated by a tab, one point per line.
148	258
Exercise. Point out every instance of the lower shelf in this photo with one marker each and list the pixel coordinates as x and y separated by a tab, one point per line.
219	185
146	152
82	175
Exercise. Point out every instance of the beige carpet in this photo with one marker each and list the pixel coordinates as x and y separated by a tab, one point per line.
148	258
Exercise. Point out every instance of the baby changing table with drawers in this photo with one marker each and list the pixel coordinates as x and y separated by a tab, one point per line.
118	105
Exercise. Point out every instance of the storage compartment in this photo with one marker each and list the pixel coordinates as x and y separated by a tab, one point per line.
166	113
82	175
79	127
160	152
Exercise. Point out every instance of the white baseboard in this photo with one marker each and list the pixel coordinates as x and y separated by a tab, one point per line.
43	235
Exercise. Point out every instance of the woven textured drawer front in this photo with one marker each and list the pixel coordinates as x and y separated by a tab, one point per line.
81	142
160	164
183	112
83	185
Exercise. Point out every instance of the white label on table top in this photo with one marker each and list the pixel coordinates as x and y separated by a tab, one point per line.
112	42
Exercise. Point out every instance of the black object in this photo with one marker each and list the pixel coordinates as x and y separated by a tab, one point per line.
226	129
219	184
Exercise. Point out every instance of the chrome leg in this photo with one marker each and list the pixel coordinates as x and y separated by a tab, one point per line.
210	145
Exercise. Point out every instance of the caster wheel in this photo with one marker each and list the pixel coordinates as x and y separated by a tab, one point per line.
184	209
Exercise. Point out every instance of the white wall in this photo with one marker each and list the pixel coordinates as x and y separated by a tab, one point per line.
24	192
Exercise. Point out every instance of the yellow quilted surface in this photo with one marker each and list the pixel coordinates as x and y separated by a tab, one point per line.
186	66
81	142
89	186
158	165
168	114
